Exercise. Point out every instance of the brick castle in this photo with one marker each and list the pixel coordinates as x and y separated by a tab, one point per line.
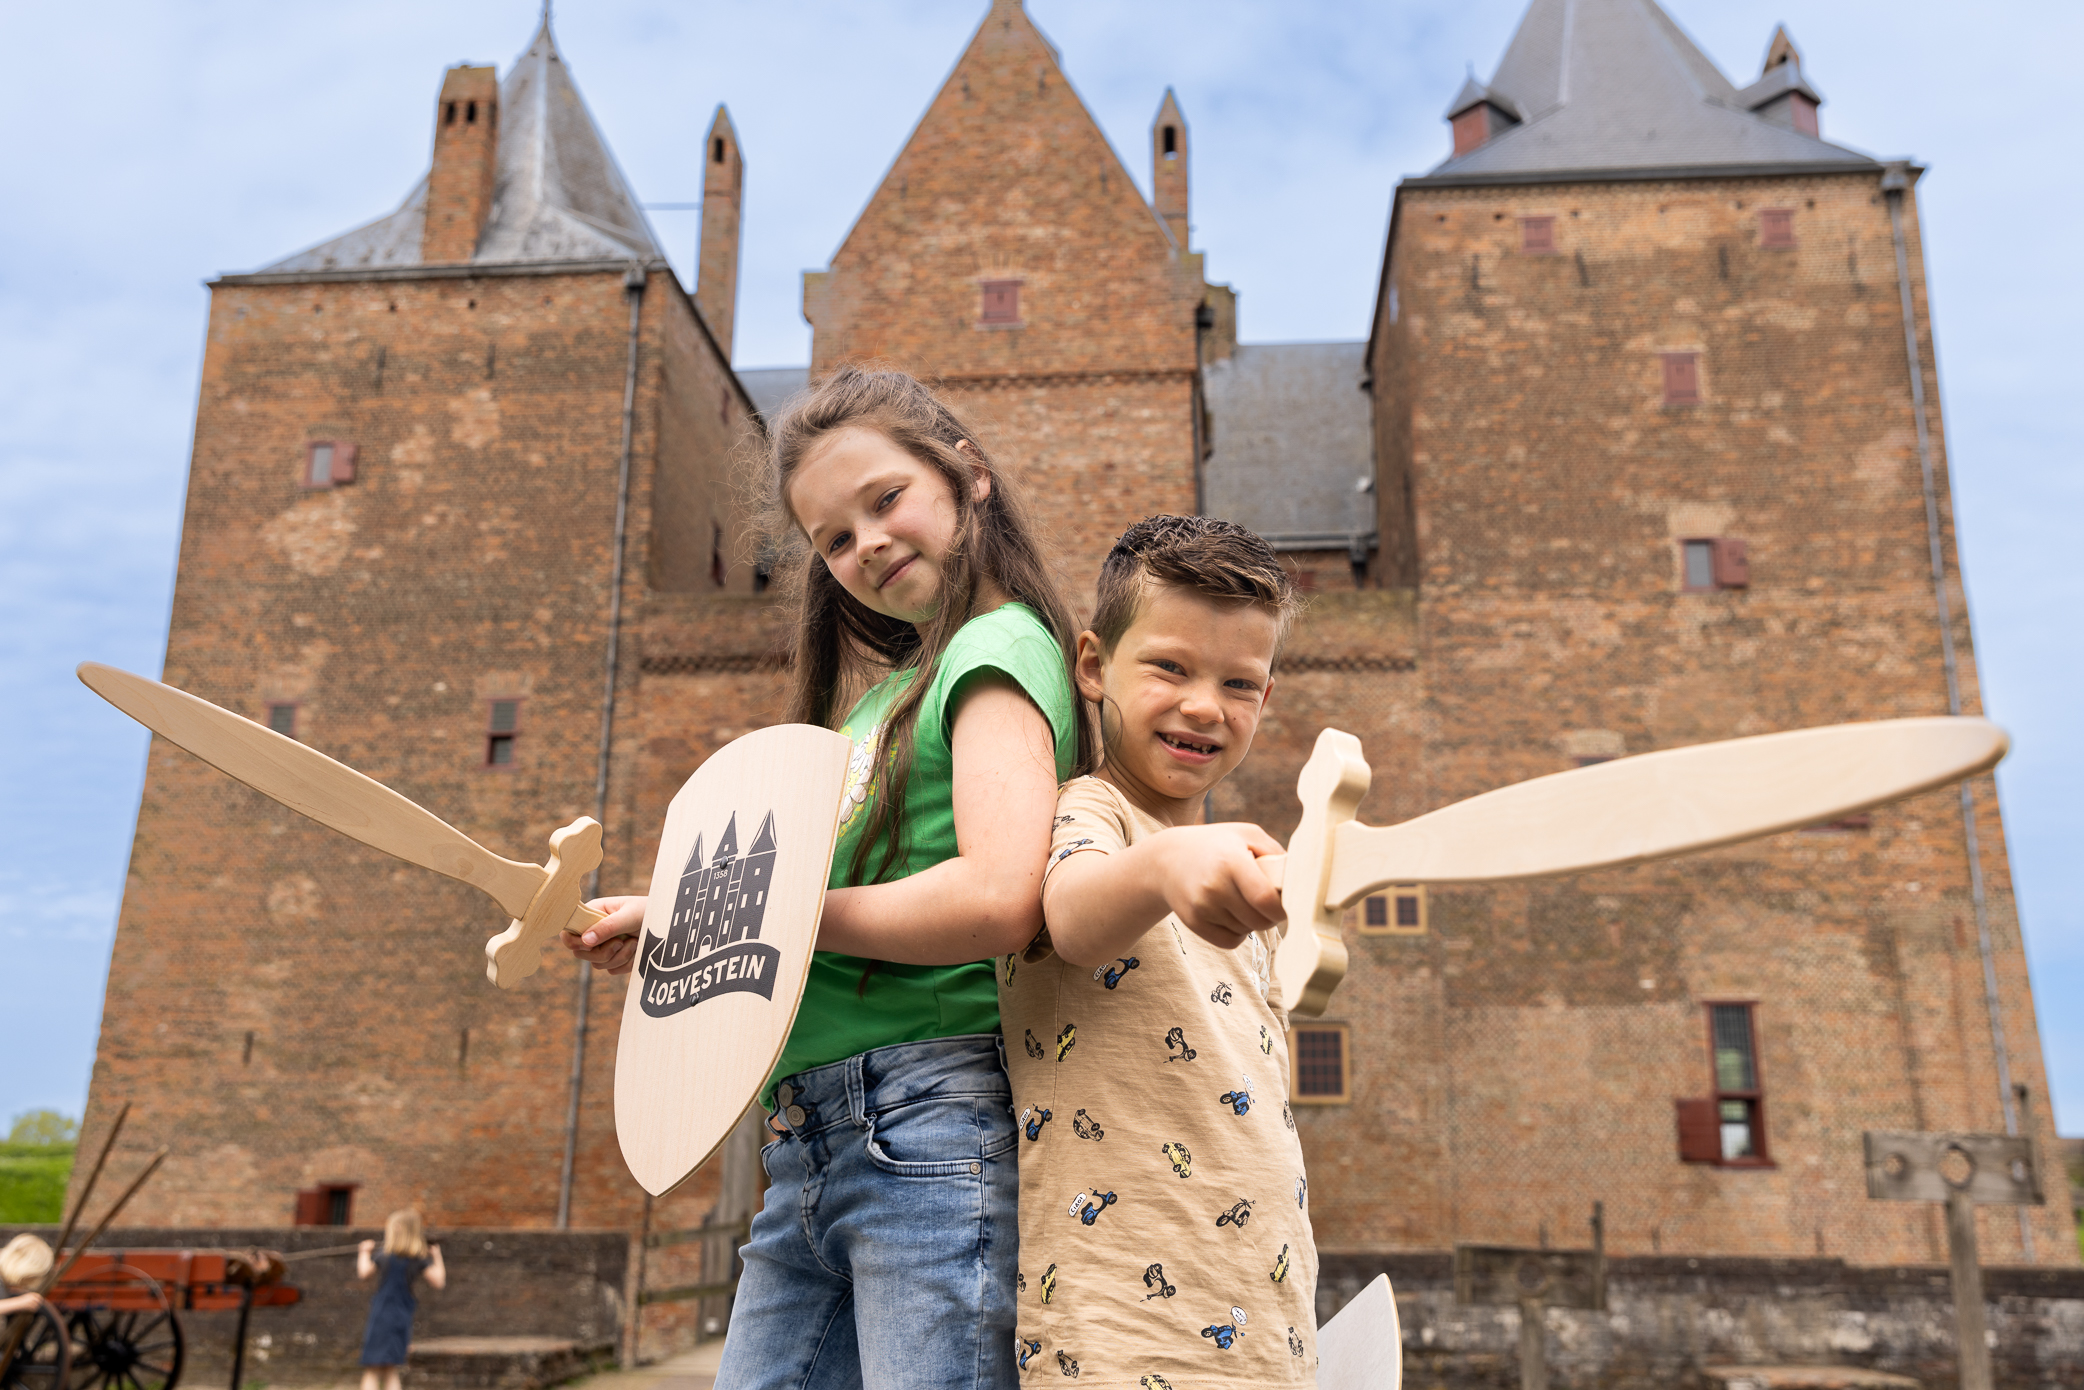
1636	455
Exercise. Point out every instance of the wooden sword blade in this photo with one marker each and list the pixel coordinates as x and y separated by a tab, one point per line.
314	785
1656	805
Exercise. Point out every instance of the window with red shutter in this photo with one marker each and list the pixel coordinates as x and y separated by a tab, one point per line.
1740	1099
1538	235
1681	378
1776	227
311	1207
1709	563
328	463
1001	301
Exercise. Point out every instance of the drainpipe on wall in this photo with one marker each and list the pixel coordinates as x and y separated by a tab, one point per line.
633	288
1894	184
1204	320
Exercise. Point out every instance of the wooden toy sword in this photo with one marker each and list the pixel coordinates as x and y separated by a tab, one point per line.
543	899
1604	816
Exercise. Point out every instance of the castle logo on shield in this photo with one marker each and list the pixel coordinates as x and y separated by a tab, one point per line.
712	941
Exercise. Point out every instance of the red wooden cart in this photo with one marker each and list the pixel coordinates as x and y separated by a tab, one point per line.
113	1322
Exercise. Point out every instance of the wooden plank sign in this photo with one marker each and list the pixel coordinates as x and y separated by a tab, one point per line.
728	932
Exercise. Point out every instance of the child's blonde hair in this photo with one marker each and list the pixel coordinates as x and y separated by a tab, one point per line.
403	1236
24	1261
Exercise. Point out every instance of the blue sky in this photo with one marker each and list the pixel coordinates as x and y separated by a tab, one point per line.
156	145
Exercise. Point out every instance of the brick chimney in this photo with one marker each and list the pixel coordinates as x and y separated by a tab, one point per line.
466	152
1169	168
723	199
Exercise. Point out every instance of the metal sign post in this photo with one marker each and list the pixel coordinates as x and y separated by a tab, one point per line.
1507	1276
1963	1171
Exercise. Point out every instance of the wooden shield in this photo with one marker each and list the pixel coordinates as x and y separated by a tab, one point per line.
727	938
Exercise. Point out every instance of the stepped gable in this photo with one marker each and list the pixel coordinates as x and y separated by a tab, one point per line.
1007	178
1616	87
558	194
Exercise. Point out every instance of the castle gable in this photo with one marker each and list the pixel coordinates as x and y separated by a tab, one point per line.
1007	237
558	194
1612	85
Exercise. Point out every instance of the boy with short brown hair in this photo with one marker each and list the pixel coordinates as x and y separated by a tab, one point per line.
1146	1040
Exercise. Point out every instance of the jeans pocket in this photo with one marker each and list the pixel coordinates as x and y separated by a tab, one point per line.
939	1138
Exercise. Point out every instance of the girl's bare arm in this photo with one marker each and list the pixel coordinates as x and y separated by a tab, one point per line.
436	1273
365	1262
984	902
988	899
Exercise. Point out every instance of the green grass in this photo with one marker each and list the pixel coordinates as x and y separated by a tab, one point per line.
32	1181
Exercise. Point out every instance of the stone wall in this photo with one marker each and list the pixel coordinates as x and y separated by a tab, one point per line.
1669	1318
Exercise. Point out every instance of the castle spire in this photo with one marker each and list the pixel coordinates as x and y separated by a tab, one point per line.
1169	168
723	202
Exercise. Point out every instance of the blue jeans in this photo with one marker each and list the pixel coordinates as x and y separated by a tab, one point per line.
885	1254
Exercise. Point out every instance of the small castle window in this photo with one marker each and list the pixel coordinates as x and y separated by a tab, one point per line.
716	150
1171	142
470	113
1776	228
328	463
282	718
502	729
450	117
1399	912
1321	1070
1711	563
332	1204
1001	301
1538	235
1681	378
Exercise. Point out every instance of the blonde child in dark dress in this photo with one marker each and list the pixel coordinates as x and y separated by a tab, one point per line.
406	1256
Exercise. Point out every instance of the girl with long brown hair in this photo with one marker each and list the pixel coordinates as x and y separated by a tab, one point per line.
885	1252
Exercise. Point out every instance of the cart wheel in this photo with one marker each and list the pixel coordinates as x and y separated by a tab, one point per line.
133	1342
44	1357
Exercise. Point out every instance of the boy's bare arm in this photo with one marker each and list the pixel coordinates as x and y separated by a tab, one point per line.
1099	905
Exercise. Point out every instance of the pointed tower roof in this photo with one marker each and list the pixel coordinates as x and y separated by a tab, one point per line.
1616	88
558	194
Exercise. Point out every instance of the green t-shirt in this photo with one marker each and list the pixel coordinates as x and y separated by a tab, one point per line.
911	1003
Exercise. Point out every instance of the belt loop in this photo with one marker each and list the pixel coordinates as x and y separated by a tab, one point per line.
857	1090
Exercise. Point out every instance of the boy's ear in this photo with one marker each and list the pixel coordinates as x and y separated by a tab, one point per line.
1266	695
1090	666
980	479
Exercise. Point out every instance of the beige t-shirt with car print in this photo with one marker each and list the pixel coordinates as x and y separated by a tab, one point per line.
1164	1213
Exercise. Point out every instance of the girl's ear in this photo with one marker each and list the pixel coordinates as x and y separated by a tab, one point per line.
1089	667
980	482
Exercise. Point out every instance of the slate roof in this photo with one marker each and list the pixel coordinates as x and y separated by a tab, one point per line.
771	387
1615	85
1291	436
557	192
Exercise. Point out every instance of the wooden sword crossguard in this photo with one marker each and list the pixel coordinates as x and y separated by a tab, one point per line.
516	953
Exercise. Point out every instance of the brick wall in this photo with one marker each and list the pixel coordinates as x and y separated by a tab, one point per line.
286	1007
1527	1052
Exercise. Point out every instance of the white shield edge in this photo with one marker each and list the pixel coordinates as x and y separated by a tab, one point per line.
681	1083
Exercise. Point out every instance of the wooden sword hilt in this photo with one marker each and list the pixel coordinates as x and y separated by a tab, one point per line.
516	953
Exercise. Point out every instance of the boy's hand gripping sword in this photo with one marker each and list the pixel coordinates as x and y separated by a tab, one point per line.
542	899
1604	816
